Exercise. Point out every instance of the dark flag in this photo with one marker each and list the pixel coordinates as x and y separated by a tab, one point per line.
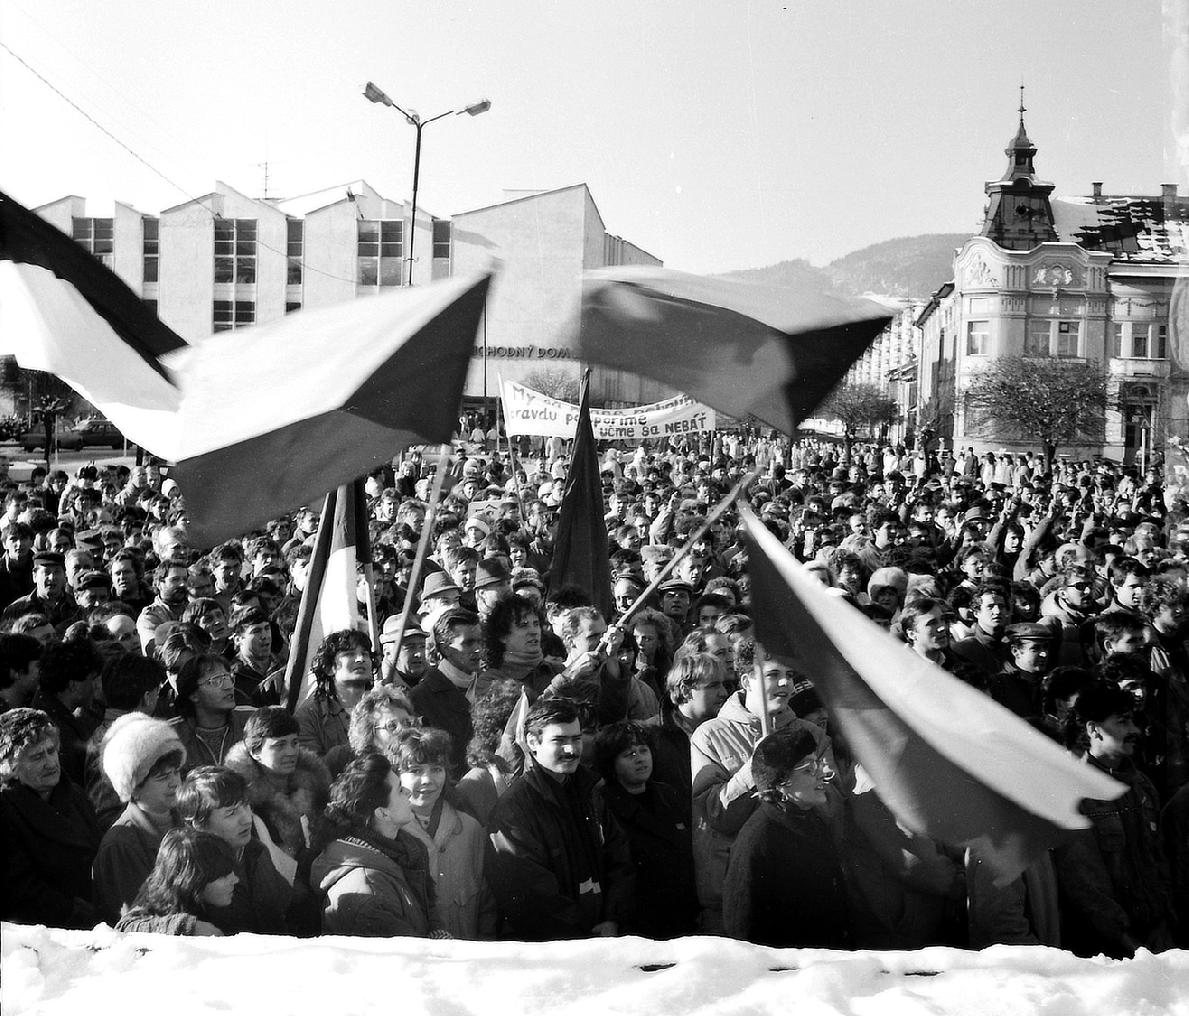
743	348
580	555
329	602
950	762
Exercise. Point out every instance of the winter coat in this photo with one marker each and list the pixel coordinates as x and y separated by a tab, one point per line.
1023	912
197	751
158	924
557	866
1174	825
784	883
441	704
375	887
1111	876
898	882
670	759
457	855
323	724
49	847
656	823
720	761
126	855
281	802
260	899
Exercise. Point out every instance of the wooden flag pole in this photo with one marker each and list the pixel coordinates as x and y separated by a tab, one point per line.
713	517
431	511
757	675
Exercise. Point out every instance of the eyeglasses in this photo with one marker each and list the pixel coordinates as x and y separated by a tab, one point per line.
814	766
217	681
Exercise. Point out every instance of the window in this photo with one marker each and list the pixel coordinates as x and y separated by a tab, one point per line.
1067	338
231	314
152	248
441	238
95	236
978	334
1036	342
379	252
1139	341
1117	341
235	250
291	306
295	250
1161	350
151	304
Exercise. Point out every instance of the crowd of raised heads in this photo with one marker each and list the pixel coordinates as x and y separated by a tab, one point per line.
517	763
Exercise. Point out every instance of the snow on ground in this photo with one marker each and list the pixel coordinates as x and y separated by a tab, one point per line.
63	973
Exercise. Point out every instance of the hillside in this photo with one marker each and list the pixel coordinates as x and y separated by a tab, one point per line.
911	266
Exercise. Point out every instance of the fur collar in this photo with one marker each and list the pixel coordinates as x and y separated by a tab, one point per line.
282	801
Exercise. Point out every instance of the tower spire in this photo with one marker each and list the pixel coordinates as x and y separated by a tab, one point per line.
1022	106
1019	215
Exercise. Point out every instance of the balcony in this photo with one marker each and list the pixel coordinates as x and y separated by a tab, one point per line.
1128	367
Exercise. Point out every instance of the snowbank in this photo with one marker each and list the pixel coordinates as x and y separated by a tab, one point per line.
61	972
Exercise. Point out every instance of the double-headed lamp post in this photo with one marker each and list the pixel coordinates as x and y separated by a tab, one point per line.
415	120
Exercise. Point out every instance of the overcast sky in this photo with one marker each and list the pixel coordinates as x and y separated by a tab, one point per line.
716	135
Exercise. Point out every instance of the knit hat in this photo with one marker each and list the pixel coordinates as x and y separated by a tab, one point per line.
133	744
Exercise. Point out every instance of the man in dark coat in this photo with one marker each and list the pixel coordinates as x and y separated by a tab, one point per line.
441	696
558	869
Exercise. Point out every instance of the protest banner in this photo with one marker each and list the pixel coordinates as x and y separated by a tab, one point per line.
529	412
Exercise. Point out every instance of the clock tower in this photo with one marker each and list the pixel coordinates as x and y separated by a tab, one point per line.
1018	214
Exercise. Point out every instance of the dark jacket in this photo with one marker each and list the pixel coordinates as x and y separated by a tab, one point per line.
375	887
49	847
1110	877
657	827
671	761
557	866
125	858
440	704
784	882
261	898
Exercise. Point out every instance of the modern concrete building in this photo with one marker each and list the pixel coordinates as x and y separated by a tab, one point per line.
1090	279
225	261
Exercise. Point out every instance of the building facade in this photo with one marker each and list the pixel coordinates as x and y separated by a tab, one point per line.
1092	279
226	261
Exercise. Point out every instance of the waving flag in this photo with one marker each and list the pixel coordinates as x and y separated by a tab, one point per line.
742	348
580	550
329	602
63	311
948	761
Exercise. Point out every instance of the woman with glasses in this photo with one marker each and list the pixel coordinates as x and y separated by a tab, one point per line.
208	724
784	884
376	721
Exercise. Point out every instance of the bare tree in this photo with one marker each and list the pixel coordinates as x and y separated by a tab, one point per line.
860	409
554	382
1050	401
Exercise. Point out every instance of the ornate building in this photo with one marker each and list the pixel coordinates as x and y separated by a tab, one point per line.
1085	278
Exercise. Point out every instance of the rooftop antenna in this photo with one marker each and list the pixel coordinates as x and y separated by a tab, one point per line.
1022	106
264	166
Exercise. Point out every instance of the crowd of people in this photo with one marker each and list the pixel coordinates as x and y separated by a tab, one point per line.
515	763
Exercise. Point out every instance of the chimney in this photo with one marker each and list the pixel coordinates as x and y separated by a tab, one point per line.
1168	191
1097	185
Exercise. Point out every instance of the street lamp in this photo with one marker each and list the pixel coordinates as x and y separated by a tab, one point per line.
415	120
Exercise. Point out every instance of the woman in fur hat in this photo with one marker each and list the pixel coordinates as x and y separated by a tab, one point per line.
288	785
48	830
142	757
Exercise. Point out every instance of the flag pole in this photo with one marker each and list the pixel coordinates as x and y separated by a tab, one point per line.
758	676
712	518
447	454
499	404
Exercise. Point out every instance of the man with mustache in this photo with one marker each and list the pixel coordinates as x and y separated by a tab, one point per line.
1115	898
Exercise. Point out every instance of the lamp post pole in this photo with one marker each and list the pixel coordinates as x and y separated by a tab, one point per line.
418	123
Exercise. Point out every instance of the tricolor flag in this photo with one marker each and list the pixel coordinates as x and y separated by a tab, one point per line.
63	311
948	761
743	348
329	602
580	550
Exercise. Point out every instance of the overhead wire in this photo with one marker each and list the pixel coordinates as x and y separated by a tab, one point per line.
215	216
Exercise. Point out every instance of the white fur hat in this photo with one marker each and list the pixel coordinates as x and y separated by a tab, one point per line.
133	744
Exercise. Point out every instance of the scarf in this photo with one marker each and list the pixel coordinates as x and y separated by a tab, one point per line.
519	665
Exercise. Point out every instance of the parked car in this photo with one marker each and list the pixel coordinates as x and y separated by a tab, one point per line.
84	434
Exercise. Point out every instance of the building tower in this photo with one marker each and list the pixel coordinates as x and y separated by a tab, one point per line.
1018	214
